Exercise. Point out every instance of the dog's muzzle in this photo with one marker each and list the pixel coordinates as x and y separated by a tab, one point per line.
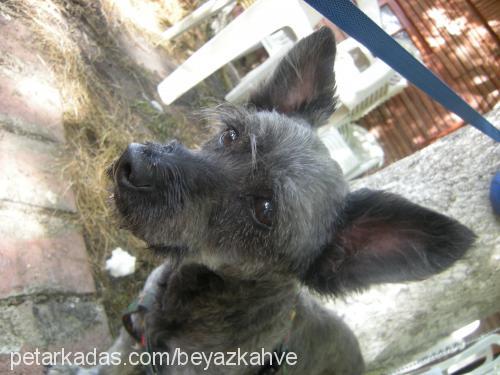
137	167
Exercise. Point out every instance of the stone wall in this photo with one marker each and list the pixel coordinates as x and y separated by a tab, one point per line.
396	323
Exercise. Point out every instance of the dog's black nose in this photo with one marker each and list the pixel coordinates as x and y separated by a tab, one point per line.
134	169
142	166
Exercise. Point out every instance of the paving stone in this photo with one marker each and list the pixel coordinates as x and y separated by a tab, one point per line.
41	253
19	126
47	282
28	91
71	323
29	101
30	174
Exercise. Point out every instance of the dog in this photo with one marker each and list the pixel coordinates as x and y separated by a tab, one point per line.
256	225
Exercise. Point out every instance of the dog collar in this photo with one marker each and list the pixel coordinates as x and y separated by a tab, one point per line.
136	329
279	352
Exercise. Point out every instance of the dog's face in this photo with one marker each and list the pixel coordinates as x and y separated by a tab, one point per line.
263	193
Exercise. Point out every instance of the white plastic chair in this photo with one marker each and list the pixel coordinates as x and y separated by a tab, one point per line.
278	28
269	22
353	147
259	21
339	150
360	89
482	350
204	11
276	45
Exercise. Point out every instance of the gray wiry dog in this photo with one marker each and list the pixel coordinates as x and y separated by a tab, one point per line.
259	221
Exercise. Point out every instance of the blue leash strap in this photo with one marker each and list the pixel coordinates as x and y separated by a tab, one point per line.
354	22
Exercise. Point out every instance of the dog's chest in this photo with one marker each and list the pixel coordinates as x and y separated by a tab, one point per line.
199	310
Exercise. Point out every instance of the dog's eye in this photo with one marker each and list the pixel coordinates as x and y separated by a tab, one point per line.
228	137
263	210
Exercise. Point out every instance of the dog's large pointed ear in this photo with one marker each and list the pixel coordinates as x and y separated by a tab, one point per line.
303	83
382	237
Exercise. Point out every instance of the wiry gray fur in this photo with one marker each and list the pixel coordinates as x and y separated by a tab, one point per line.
231	280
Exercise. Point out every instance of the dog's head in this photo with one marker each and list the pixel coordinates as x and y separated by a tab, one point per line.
264	194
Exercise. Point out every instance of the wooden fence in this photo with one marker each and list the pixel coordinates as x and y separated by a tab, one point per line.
459	41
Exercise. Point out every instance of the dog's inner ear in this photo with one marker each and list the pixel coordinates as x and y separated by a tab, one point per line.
382	237
303	84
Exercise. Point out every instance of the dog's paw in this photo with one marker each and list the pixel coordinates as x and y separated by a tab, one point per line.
69	370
